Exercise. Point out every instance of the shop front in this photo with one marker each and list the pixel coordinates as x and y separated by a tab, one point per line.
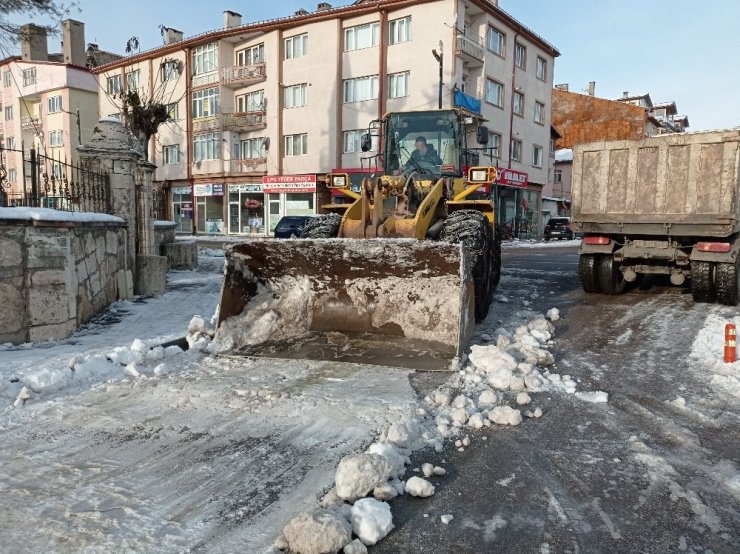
517	205
209	208
182	209
247	209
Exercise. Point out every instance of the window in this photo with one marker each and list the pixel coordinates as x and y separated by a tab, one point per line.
516	150
295	96
55	138
362	88
398	85
250	56
399	30
205	103
520	56
539	113
114	85
133	79
116	116
57	172
494	93
170	70
12	175
552	146
296	145
10	143
29	77
494	142
296	47
7	79
541	69
205	58
537	156
171	154
352	141
557	176
206	147
518	103
55	103
173	111
361	36
8	113
253	149
496	41
251	102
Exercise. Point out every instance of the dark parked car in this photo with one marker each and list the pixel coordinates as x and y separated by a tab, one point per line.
291	226
559	228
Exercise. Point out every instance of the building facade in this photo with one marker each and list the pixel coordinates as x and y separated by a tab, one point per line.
262	111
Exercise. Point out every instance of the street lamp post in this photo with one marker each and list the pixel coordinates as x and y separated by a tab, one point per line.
439	57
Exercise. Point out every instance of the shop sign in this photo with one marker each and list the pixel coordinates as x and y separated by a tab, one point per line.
256	187
218	190
181	190
512	178
289	183
208	190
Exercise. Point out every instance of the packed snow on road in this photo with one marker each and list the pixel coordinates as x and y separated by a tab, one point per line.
111	441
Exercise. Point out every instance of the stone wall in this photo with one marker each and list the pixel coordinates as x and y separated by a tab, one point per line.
56	275
164	233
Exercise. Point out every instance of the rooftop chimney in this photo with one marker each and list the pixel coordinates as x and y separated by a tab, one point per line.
323	6
562	86
591	88
73	42
301	12
172	36
232	19
625	94
33	43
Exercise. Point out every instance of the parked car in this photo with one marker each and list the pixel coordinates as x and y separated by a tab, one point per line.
559	228
291	226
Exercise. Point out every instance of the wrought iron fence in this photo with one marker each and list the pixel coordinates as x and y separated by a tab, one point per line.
29	178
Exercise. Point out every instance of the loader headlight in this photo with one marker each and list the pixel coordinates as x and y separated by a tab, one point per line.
478	175
338	181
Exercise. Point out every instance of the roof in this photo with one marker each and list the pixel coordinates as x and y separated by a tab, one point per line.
357	7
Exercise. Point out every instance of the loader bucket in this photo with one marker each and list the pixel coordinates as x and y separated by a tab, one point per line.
397	302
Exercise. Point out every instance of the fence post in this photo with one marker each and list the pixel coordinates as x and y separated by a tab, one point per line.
34	178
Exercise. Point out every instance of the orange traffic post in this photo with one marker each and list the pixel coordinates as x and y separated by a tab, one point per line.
730	348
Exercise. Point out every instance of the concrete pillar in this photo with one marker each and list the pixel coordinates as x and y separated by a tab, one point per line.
145	196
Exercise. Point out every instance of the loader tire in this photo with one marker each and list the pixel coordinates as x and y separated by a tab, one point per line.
726	283
325	226
473	230
611	279
496	259
587	273
702	281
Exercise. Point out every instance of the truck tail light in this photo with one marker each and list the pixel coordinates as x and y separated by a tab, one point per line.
597	240
713	246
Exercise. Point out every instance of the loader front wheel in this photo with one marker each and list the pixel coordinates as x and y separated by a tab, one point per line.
587	264
325	226
473	230
726	282
702	281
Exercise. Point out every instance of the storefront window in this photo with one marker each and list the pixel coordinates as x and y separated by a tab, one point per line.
246	210
209	200
300	203
182	208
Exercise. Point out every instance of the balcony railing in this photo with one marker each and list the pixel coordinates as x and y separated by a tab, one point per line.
239	122
251	165
242	75
28	122
470	45
210	78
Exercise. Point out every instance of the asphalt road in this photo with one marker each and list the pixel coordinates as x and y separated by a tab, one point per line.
640	473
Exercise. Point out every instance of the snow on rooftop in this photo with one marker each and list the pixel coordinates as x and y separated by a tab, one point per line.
564	155
48	214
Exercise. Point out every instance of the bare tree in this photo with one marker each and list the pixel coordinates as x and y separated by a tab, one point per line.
11	32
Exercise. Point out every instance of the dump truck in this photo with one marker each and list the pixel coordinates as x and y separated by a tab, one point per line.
664	205
398	274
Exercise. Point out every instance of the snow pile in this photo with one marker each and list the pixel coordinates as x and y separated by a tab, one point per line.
316	533
358	475
708	351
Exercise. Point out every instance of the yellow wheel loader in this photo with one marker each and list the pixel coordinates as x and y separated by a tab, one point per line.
395	275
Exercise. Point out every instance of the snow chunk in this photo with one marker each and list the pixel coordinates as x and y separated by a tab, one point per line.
488	398
404	434
491	358
390	453
523	398
504	415
385	492
355	547
371	520
357	475
446	518
439	471
594	396
553	314
317	533
416	486
475	421
441	398
427	469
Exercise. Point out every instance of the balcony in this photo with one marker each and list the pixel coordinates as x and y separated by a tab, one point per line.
467	102
237	122
470	48
30	123
254	166
205	79
243	75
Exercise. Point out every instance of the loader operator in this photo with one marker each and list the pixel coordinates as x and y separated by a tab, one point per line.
424	157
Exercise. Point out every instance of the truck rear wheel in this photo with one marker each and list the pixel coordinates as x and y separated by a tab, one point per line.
587	273
702	281
325	226
611	279
473	230
726	283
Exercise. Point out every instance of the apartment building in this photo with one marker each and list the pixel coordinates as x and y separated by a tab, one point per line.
262	111
665	114
48	101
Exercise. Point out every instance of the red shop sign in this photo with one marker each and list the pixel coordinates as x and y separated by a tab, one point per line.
289	183
512	178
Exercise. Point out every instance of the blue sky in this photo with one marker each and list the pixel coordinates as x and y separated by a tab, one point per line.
680	50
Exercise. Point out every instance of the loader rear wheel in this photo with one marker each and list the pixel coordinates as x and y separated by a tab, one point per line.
473	230
726	283
587	273
496	259
702	281
611	279
325	226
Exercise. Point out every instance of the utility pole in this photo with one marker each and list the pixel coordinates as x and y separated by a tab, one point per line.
79	128
439	56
